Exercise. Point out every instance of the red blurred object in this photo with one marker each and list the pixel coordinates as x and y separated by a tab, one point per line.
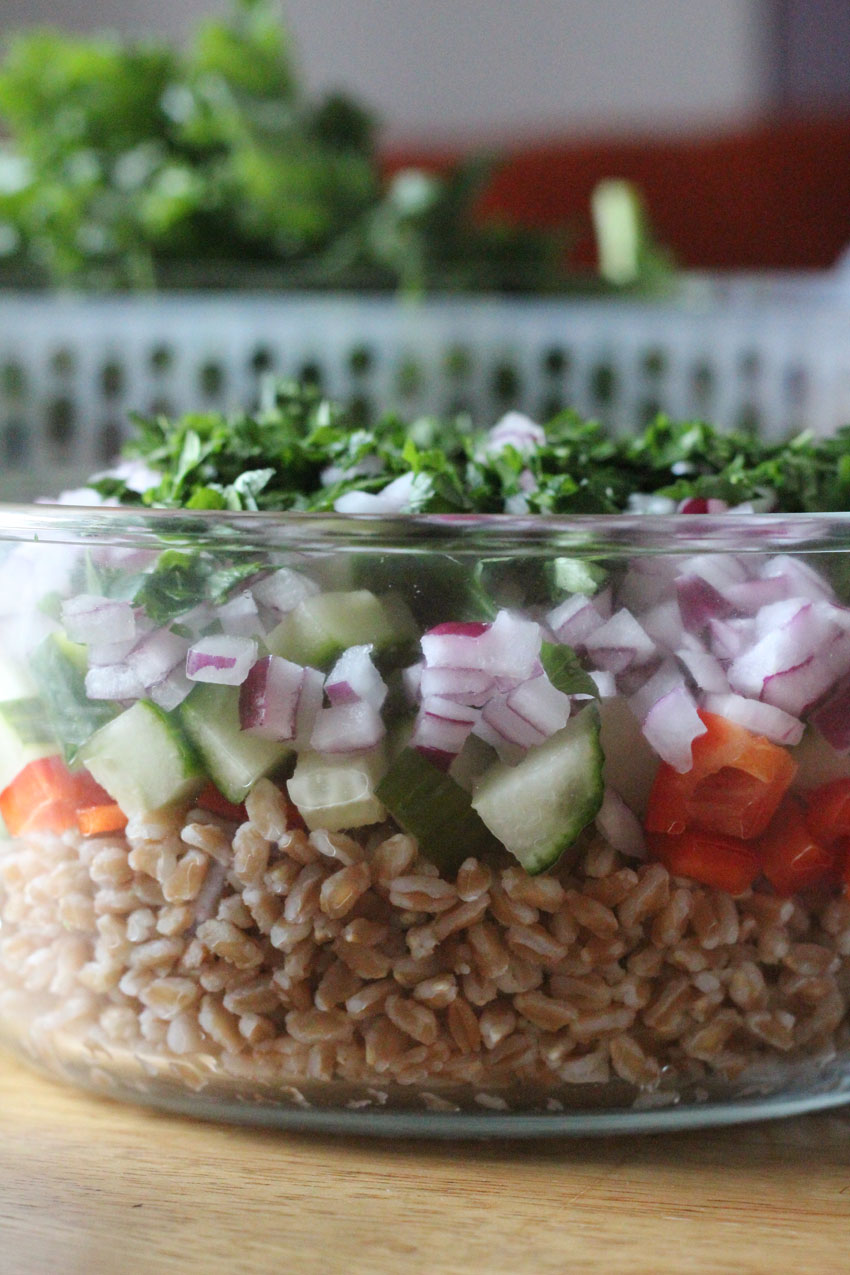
773	196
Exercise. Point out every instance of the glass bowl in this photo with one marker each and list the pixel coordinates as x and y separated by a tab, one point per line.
438	824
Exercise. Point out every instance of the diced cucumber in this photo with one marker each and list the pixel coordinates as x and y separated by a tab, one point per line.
234	758
471	763
630	762
574	575
59	669
25	735
338	792
435	810
15	681
538	807
322	627
143	760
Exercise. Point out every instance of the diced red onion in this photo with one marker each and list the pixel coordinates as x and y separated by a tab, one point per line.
411	680
100	653
702	505
508	647
505	721
463	685
200	617
606	683
282	591
648	581
761	719
443	726
541	704
156	655
717	569
666	678
309	706
221	658
798	689
620	826
347	728
789	643
517	430
239	617
393	499
113	681
574	620
509	753
171	691
269	698
802	580
89	618
619	643
705	669
832	718
354	676
752	595
663	623
671	726
730	638
699	602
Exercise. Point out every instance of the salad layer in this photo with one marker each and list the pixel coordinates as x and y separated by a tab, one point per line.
441	818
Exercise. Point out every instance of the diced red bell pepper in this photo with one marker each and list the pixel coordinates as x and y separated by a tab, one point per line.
792	858
828	811
45	797
725	863
94	821
733	788
209	798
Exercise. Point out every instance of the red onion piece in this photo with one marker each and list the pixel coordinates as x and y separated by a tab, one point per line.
800	578
730	638
411	680
347	728
791	638
606	684
509	753
113	681
443	726
89	618
508	723
761	719
269	698
100	653
717	569
312	696
156	656
282	591
667	677
221	658
393	499
516	430
354	676
573	621
663	623
798	689
171	691
463	685
508	647
699	602
705	669
752	595
239	617
671	726
619	643
540	704
620	826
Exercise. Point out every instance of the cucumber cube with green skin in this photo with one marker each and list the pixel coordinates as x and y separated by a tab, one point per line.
435	810
15	681
234	758
58	666
143	760
538	807
338	792
320	628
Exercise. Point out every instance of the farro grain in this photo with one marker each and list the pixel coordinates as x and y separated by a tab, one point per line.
473	880
436	992
337	846
267	810
341	891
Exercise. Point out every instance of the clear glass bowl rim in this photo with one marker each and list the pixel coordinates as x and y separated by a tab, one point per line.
465	535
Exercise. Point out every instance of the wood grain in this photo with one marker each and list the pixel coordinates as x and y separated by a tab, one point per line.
89	1187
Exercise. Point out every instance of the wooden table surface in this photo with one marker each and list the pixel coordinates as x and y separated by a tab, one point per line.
94	1188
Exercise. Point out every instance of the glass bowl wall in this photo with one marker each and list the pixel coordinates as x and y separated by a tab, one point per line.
235	964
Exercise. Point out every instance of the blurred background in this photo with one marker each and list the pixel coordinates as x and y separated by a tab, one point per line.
429	205
733	115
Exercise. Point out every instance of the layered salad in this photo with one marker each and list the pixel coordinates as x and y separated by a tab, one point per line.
378	817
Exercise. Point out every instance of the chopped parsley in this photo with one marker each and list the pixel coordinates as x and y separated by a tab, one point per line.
301	452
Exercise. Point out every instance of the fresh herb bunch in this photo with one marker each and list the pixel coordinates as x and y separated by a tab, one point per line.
135	165
302	452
